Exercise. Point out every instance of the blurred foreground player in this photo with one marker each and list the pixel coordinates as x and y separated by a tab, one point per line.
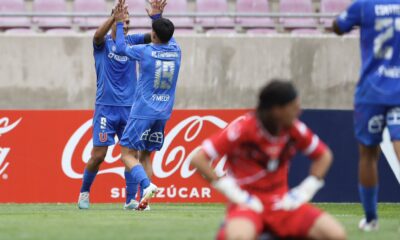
116	84
377	96
259	147
154	97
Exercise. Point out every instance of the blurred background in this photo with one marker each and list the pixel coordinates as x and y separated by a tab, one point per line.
195	16
230	48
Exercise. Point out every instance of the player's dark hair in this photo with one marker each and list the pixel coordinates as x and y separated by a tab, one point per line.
164	29
276	93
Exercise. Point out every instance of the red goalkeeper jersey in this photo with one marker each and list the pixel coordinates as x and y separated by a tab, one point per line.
256	159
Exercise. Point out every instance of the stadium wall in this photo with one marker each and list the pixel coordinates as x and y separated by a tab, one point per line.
42	72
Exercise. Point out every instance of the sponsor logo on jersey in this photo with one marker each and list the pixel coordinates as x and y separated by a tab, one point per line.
118	58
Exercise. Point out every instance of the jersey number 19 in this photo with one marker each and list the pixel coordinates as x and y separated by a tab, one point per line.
164	74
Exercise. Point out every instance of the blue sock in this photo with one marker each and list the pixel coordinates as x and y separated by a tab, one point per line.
131	187
140	176
88	178
369	199
144	184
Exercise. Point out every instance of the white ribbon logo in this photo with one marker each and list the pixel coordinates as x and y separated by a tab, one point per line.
178	155
5	127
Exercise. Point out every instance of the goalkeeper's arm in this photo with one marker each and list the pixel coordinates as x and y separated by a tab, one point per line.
225	185
321	165
309	187
202	162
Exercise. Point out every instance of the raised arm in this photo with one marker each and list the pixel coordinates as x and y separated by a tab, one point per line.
155	11
133	52
101	32
120	39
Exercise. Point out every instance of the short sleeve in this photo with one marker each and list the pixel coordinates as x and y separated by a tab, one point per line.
135	39
308	142
225	141
351	17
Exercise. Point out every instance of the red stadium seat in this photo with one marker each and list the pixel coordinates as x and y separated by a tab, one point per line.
261	31
332	6
19	31
253	6
184	31
179	6
214	6
60	31
51	6
13	6
89	6
221	31
138	6
297	6
305	31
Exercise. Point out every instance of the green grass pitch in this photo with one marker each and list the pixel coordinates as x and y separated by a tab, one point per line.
165	221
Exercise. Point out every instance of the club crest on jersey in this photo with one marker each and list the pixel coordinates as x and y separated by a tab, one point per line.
273	165
103	137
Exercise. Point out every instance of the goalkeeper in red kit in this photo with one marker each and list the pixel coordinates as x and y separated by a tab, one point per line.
259	147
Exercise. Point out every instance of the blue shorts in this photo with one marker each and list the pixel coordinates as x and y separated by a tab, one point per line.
109	121
370	121
144	134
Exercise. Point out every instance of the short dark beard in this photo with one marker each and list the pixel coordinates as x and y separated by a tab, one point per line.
268	122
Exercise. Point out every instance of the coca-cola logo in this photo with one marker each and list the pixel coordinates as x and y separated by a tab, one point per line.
174	157
70	149
5	127
179	155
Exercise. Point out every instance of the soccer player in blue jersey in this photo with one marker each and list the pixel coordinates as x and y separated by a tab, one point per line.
159	64
377	96
116	84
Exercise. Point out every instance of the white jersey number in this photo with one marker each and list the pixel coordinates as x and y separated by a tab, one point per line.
164	77
386	27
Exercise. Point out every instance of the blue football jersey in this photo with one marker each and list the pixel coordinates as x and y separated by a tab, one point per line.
379	22
159	66
116	75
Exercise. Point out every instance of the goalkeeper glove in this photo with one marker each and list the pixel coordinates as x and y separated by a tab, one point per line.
299	195
228	187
